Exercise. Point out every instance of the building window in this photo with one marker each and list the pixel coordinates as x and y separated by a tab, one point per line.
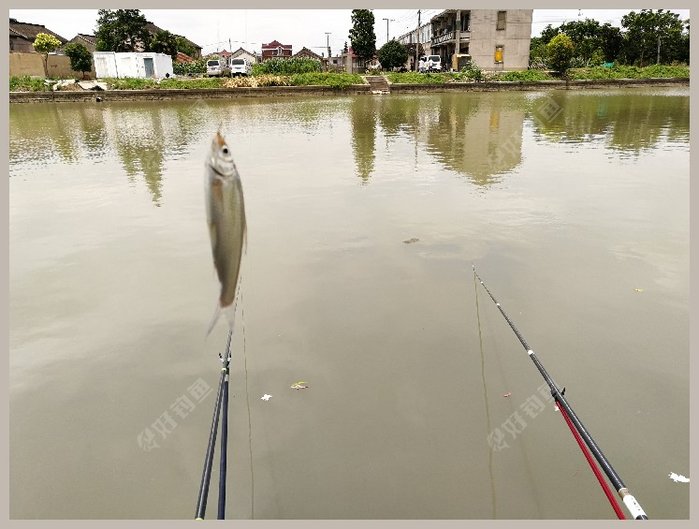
502	18
465	19
499	54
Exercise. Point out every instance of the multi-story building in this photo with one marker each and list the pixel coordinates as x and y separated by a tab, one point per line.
276	49
494	39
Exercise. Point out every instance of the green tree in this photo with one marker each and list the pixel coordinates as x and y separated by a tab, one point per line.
537	52
611	41
392	54
185	46
80	57
121	30
45	44
548	33
164	42
559	53
362	36
651	36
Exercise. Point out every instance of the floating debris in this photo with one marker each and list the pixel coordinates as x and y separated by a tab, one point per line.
678	478
411	240
638	289
508	394
265	397
299	385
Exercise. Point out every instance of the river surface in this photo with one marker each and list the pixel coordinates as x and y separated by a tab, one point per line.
365	215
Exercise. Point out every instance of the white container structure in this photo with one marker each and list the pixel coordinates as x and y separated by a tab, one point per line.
132	64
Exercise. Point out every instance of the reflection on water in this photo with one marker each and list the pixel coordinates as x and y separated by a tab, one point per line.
363	118
628	124
478	135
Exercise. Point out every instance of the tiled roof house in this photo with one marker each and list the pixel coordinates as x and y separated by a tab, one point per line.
22	35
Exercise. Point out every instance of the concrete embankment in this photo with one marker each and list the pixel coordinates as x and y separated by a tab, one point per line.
276	91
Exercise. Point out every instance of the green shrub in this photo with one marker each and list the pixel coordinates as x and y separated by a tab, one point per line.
25	83
197	67
522	75
417	78
278	66
333	80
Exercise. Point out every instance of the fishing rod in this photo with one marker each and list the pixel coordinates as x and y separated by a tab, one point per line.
220	408
574	422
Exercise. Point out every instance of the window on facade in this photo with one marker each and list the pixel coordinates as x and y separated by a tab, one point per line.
499	49
465	20
502	18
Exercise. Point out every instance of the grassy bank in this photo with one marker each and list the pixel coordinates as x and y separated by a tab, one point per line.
599	72
344	80
332	80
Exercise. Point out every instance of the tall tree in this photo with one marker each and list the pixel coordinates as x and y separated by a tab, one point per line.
121	30
559	52
164	42
80	57
362	36
392	54
612	40
45	44
651	36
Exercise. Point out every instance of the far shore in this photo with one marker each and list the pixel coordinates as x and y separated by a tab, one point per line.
273	91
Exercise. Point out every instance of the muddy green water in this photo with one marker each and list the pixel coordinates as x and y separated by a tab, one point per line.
573	206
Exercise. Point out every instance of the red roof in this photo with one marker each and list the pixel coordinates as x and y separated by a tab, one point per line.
183	57
276	44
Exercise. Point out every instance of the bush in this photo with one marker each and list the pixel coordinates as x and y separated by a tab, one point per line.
333	80
417	78
278	66
197	67
631	72
522	75
559	52
26	83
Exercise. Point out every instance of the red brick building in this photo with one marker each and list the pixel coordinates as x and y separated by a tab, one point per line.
275	49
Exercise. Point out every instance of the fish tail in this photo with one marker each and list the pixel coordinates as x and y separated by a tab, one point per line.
228	311
214	318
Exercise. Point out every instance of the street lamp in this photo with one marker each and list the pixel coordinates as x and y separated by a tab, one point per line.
387	21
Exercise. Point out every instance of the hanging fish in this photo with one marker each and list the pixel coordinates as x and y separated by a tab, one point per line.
225	215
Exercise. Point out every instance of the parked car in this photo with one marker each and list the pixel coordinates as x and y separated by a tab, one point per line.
241	66
217	68
434	63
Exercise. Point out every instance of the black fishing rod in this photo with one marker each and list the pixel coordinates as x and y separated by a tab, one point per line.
630	502
220	407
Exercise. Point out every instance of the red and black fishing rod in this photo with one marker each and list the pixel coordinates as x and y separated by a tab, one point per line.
576	425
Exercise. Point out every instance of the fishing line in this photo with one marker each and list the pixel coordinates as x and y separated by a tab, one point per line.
485	398
527	467
247	400
630	502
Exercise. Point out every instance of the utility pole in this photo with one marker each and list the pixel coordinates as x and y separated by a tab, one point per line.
327	37
417	42
387	21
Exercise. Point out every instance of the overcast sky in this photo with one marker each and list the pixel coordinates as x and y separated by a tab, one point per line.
212	28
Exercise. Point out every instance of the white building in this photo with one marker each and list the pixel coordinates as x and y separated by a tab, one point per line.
132	64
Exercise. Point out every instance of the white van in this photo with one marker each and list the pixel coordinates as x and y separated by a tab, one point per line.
217	68
434	63
240	66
